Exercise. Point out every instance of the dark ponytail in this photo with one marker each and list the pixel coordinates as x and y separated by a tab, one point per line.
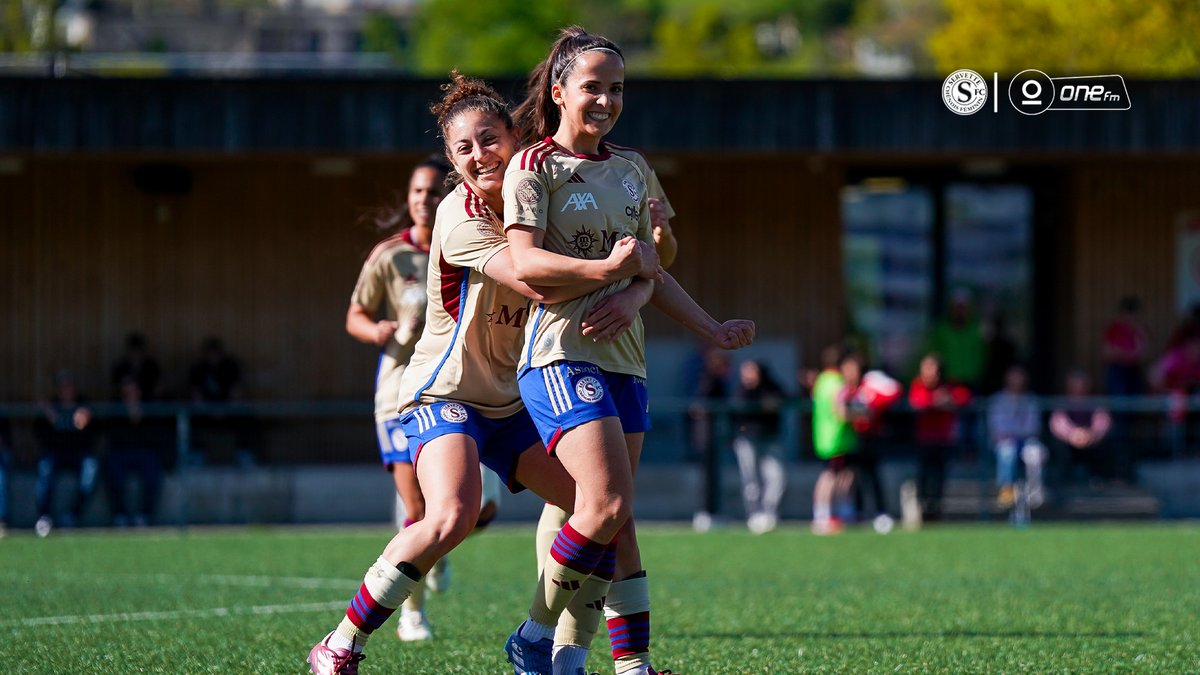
537	116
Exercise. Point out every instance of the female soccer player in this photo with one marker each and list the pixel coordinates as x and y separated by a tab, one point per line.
570	198
393	279
459	398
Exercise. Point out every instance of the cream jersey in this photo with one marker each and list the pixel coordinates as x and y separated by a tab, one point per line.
653	187
473	325
584	204
394	276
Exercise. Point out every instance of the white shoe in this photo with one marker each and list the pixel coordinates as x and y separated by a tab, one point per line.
883	523
438	579
702	521
43	526
414	627
762	522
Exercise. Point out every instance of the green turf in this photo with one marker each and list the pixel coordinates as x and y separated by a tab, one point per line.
1064	599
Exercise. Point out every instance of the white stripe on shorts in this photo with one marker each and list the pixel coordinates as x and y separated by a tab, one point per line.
566	393
550	394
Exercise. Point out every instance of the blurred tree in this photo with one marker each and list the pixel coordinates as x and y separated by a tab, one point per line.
381	34
498	37
14	27
891	37
1130	37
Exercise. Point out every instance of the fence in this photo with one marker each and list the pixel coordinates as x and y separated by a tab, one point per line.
211	445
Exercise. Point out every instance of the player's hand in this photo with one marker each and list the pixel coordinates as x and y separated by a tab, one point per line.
651	264
658	214
384	330
611	317
734	334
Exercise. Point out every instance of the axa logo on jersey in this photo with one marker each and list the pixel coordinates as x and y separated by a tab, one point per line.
582	201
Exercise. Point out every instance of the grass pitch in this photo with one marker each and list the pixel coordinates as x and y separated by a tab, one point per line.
1067	599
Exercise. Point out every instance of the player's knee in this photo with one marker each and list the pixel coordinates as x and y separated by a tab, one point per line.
451	524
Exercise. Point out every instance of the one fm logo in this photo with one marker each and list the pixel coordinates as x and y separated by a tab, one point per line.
1033	92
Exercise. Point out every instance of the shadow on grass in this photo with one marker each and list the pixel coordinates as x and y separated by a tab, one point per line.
891	635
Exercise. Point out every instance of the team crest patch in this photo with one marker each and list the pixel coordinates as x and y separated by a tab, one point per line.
454	412
629	187
589	389
529	191
489	228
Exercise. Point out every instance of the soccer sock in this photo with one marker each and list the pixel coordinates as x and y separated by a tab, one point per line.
551	521
628	612
577	626
572	559
821	514
383	589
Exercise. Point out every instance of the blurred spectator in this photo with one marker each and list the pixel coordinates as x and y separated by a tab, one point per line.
1125	343
938	431
711	388
865	398
1081	427
1014	423
135	447
137	363
833	440
958	340
66	435
217	376
1179	369
1001	355
757	445
5	464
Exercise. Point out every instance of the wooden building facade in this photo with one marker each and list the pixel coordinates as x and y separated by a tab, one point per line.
188	208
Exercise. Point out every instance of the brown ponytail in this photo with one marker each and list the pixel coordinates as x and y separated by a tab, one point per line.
538	115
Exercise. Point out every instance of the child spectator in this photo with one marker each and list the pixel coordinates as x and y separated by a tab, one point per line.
758	447
66	435
1014	422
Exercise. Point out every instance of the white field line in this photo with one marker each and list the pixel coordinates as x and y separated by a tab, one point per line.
214	613
261	581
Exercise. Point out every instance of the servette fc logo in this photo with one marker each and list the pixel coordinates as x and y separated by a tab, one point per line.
964	92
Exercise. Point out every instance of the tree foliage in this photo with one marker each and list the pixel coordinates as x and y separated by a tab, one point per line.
1130	37
497	37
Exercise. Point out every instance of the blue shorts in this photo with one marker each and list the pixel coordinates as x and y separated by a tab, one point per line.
500	441
393	446
565	394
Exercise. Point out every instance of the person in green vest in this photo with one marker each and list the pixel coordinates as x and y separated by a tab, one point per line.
833	440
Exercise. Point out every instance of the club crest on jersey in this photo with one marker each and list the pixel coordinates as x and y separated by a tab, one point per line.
582	201
454	412
589	389
630	188
529	191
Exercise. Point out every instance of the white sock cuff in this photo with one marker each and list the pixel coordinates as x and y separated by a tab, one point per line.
630	596
387	585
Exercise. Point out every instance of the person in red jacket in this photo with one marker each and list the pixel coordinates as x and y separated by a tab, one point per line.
937	404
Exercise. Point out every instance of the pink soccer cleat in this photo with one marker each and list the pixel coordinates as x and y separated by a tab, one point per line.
325	660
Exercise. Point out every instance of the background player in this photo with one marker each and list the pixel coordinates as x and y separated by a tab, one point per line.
588	397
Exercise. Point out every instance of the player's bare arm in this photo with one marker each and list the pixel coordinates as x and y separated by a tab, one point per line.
672	300
362	326
535	265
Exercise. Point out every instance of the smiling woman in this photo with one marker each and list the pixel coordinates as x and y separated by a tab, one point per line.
570	198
